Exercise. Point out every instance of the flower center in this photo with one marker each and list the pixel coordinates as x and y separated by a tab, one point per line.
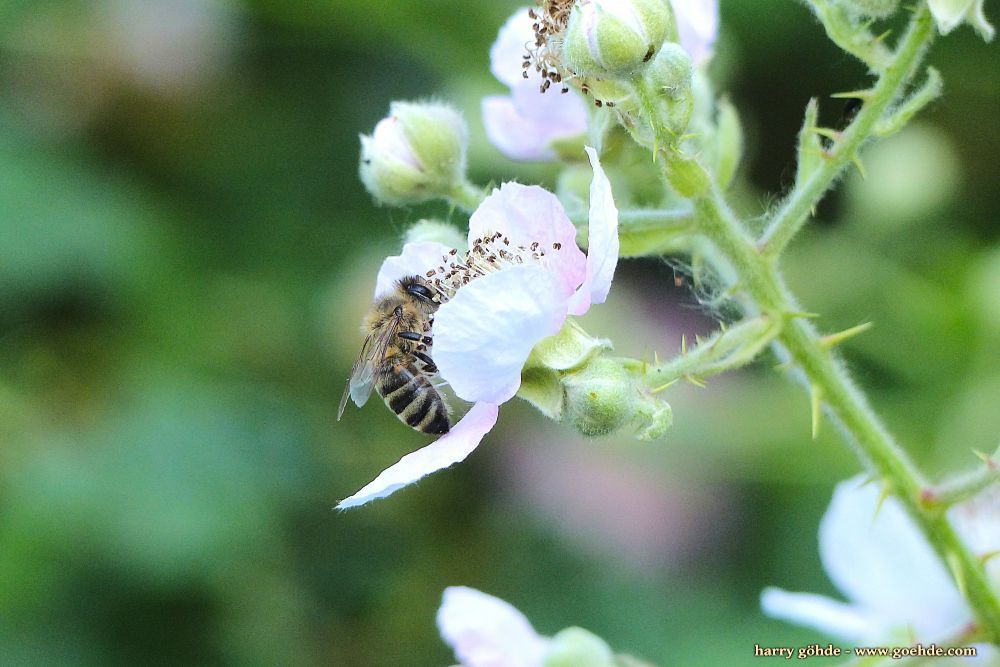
488	254
549	24
544	55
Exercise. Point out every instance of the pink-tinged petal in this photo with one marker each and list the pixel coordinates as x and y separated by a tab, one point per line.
698	25
835	618
602	248
415	260
388	139
565	114
483	335
517	137
507	52
526	132
485	631
447	450
529	214
875	554
524	125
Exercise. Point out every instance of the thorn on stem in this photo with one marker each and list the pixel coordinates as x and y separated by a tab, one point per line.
834	339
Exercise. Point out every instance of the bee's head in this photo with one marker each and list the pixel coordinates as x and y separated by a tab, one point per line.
418	289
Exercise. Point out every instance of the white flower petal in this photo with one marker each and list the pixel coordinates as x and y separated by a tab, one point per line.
507	52
526	131
820	612
415	260
524	125
875	560
948	14
516	136
978	522
483	335
485	631
529	214
447	450
698	25
602	248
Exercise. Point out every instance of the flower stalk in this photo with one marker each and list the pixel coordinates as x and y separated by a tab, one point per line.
765	297
800	343
804	197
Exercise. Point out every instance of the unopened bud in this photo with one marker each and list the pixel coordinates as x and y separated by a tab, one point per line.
600	398
670	71
435	231
415	154
576	647
615	38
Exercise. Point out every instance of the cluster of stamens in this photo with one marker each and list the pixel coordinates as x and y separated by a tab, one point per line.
488	254
549	23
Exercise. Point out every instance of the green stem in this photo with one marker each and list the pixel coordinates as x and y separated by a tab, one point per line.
680	218
964	487
648	232
797	207
763	292
845	33
466	196
800	342
724	351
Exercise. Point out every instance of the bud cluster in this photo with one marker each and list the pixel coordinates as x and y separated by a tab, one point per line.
415	154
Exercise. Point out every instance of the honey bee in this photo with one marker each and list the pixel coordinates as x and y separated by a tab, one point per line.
394	358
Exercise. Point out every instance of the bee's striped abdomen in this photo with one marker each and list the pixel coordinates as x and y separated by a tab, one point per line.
414	399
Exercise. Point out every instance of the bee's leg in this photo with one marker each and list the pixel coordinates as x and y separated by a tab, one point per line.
429	365
413	335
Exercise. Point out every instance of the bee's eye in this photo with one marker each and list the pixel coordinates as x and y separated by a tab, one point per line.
420	291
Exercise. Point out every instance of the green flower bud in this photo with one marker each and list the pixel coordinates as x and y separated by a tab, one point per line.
671	70
878	9
600	397
576	647
615	38
603	396
436	231
415	154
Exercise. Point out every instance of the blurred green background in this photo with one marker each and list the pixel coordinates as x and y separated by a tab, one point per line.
186	252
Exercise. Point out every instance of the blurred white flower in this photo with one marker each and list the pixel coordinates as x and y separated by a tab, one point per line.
524	124
521	277
897	589
485	631
171	45
949	14
698	25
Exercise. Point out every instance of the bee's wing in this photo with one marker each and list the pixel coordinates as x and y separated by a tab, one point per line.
362	380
